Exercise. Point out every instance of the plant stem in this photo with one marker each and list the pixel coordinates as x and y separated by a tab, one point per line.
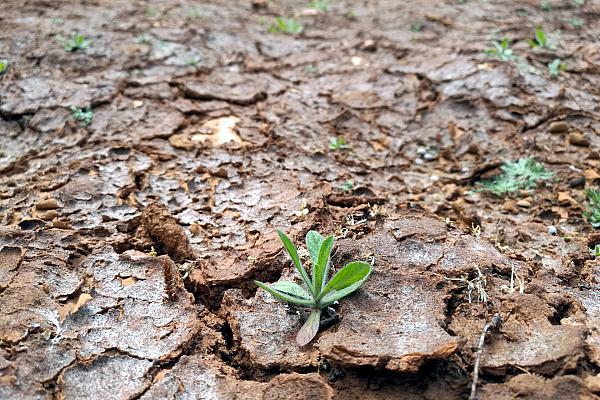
495	324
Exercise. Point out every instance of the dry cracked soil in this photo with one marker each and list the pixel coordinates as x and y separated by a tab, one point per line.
130	236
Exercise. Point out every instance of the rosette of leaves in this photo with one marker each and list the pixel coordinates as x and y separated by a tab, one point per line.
318	292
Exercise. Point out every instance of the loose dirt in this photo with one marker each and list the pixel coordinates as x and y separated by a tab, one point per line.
129	247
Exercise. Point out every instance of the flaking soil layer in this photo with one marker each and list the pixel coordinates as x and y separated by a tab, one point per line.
129	241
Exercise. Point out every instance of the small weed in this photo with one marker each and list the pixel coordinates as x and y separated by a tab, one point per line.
596	251
347	186
545	4
576	23
193	61
475	230
318	293
514	277
84	115
541	40
592	213
3	66
556	67
478	283
193	13
416	27
521	175
579	3
501	51
151	12
289	26
320	5
143	39
77	42
337	143
311	69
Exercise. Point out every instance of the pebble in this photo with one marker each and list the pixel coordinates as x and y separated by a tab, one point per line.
577	139
577	181
558	127
552	230
48	204
368	45
524	203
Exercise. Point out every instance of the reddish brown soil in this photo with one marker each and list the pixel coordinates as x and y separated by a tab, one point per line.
129	247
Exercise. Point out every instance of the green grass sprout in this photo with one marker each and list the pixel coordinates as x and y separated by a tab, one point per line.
521	175
289	26
84	115
556	67
77	42
592	213
501	51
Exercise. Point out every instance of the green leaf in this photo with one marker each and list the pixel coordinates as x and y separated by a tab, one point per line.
309	329
285	296
540	37
291	249
291	288
346	278
314	240
322	267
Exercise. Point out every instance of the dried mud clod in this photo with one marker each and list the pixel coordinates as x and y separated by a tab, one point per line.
164	231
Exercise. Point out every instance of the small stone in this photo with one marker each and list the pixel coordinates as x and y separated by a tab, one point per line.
590	175
594	155
564	198
552	230
260	4
510	206
181	141
558	127
49	216
368	45
48	204
577	181
577	139
524	203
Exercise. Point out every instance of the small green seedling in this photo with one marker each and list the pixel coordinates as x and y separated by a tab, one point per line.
338	143
83	115
501	51
521	175
77	42
320	5
556	67
545	4
541	40
592	213
416	27
288	26
576	23
318	293
3	66
193	61
347	186
596	251
579	3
